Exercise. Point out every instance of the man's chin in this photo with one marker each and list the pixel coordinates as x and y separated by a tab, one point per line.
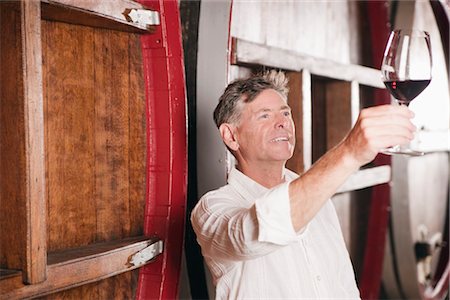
282	157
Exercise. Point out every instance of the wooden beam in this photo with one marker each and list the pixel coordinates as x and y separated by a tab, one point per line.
6	273
13	224
75	267
36	232
318	117
249	53
102	14
307	119
338	111
366	178
295	101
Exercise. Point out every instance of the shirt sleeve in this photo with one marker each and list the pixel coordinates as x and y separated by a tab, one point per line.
226	230
273	213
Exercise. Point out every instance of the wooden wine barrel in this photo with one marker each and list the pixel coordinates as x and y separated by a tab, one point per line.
93	149
417	252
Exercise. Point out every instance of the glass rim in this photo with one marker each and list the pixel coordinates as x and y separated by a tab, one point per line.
411	31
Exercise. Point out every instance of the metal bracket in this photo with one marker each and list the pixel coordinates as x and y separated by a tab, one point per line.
143	17
147	254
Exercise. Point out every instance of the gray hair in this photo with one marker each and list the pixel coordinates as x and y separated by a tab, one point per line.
245	91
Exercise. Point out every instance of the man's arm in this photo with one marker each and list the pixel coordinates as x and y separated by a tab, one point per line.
228	231
377	128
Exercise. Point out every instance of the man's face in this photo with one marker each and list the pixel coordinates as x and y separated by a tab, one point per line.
266	131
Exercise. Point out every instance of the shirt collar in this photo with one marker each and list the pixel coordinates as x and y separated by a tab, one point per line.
250	189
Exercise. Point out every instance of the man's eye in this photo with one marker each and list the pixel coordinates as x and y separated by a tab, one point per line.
287	113
264	116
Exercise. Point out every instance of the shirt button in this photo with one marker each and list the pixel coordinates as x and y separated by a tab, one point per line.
318	278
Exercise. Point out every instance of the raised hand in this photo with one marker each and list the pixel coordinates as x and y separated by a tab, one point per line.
377	128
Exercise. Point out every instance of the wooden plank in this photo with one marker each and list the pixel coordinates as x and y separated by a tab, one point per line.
111	135
69	86
245	52
333	112
338	109
13	225
6	273
93	13
10	281
295	101
79	266
323	28
137	137
98	110
318	112
36	250
366	178
109	105
307	119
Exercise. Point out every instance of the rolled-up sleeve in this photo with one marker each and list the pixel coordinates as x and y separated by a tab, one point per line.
273	213
230	231
226	231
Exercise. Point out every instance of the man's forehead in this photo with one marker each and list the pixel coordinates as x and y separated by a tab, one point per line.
267	103
270	94
271	108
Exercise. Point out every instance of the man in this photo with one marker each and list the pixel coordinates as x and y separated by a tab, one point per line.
269	233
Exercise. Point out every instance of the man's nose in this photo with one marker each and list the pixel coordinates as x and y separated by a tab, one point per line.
281	122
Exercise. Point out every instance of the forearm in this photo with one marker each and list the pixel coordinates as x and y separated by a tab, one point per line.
309	192
377	127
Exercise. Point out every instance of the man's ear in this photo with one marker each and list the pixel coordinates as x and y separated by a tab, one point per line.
228	136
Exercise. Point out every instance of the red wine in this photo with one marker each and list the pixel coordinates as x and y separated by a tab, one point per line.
406	91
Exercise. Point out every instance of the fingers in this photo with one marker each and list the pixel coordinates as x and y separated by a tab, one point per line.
393	130
377	128
386	115
387	109
387	120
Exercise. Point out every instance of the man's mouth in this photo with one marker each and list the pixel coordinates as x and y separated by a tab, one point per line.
280	139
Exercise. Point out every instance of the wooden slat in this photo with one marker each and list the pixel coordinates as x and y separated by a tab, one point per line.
10	282
307	119
333	112
98	109
13	223
137	138
338	106
36	250
245	52
102	14
69	86
94	90
366	178
319	119
112	132
295	101
71	268
96	141
6	273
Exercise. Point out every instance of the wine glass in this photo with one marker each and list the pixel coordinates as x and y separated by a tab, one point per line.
406	71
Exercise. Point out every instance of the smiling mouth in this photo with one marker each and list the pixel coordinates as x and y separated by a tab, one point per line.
280	139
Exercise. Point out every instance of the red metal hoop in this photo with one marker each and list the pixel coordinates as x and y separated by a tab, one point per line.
166	151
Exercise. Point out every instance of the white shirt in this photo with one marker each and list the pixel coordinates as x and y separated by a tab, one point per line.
250	246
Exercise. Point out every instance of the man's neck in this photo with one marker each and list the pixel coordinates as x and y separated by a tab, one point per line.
268	176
